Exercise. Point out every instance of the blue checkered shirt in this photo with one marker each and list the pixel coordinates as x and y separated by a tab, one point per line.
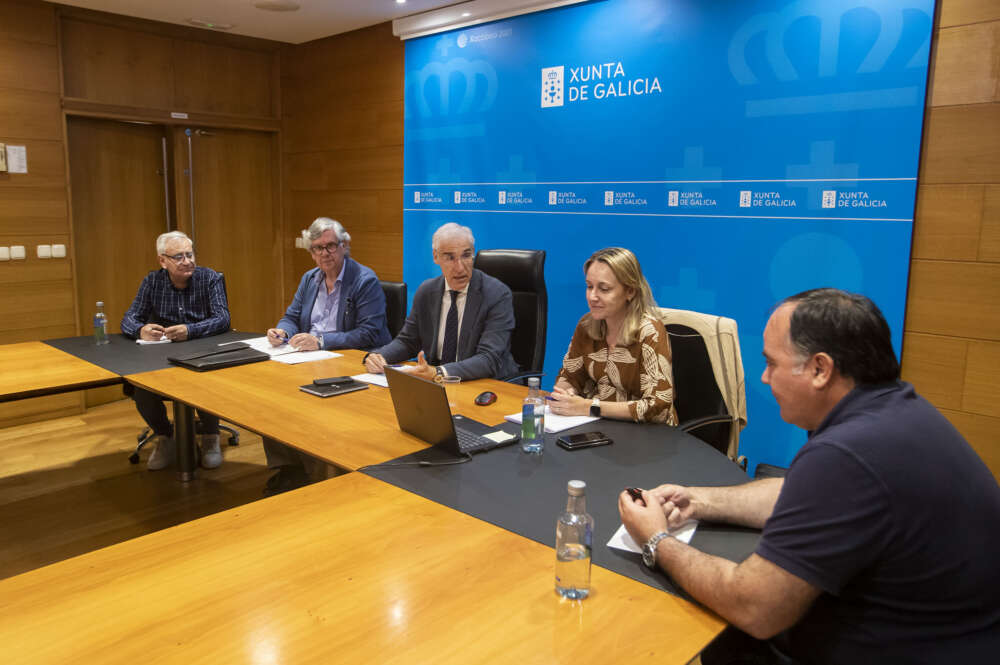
202	306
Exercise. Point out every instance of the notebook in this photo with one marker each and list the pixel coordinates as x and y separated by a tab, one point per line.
331	390
422	410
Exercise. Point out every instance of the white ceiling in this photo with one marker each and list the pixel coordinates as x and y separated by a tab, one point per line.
313	20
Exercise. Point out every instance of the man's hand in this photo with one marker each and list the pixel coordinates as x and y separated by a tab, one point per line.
151	332
277	336
677	503
304	342
375	363
422	369
177	333
641	518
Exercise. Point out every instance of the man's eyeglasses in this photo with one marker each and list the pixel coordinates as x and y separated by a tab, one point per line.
177	258
448	257
329	248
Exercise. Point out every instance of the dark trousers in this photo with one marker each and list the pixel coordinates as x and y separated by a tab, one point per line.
151	408
734	647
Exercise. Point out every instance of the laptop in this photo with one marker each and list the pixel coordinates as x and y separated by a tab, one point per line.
422	410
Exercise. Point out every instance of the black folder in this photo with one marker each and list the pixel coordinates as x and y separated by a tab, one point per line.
231	356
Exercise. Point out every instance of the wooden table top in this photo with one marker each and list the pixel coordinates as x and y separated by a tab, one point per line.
30	369
348	570
349	431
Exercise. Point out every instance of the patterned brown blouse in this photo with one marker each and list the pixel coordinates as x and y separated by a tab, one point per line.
640	374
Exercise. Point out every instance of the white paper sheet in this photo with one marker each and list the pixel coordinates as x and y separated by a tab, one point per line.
162	340
622	541
374	379
555	423
305	357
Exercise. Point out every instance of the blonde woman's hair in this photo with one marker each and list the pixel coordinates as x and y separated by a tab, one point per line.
626	270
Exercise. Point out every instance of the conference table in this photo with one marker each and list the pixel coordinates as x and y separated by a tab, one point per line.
33	369
396	563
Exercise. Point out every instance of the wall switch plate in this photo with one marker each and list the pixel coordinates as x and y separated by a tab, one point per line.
17	252
58	251
44	251
4	253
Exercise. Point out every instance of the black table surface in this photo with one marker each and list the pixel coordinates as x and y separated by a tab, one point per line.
123	356
525	493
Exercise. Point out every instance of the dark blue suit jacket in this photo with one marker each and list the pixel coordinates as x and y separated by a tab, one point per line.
483	341
361	322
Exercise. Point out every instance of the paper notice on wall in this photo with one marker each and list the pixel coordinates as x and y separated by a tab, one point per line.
17	159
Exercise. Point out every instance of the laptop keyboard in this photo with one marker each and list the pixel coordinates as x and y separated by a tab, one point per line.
469	442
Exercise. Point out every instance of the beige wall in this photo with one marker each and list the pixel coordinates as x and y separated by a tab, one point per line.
951	343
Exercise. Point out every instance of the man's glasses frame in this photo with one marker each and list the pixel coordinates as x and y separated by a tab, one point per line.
328	248
177	258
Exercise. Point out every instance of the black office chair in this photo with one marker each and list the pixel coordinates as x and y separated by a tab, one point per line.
700	387
395	305
146	435
523	271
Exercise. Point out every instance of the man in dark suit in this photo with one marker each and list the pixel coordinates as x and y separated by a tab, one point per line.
460	321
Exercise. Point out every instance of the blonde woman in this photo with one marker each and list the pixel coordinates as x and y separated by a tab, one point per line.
619	363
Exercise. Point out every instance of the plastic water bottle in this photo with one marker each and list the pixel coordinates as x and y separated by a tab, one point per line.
100	325
533	419
574	539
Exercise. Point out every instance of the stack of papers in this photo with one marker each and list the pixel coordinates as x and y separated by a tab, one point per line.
283	352
555	423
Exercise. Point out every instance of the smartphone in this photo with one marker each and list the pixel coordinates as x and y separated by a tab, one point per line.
583	440
333	381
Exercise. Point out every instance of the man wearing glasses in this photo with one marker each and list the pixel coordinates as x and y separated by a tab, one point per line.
339	305
460	323
178	302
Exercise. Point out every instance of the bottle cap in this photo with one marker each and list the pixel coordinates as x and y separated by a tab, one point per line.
533	382
100	303
576	487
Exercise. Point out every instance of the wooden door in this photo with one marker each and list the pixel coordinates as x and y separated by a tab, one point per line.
119	208
227	201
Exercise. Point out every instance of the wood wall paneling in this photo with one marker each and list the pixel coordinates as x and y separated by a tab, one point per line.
33	210
965	64
948	221
982	386
112	65
29	66
989	245
956	299
28	22
962	145
960	12
38	408
28	114
935	366
222	79
33	269
370	168
981	433
38	305
344	126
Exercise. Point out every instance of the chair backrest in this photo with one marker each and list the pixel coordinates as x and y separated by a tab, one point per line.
708	374
395	305
523	271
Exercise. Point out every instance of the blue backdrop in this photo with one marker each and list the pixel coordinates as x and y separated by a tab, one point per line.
744	151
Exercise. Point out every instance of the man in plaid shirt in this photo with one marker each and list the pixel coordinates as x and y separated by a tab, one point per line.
178	302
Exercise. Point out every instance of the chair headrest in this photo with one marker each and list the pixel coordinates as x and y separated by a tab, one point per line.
519	269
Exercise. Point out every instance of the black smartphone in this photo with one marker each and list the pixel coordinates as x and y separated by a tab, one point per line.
635	493
333	381
583	440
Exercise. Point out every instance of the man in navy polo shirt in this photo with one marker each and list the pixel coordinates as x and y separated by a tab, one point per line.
881	543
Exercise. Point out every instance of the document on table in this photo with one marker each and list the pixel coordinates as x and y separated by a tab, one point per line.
162	340
261	344
305	357
376	379
622	541
555	423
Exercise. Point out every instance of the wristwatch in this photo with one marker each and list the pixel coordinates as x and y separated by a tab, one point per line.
595	408
438	374
649	549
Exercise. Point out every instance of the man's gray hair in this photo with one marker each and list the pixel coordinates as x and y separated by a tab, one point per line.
164	239
452	230
321	225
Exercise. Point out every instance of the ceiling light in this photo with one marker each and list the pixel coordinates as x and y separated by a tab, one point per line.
400	2
466	14
212	25
277	5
